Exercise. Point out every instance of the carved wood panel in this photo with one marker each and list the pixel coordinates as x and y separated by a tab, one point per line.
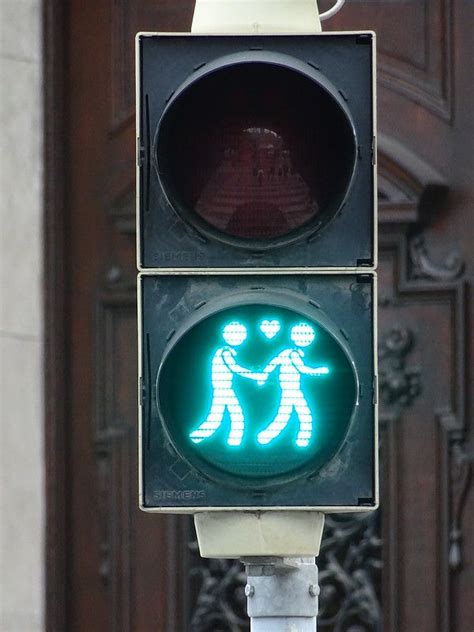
429	307
129	539
119	569
414	60
129	18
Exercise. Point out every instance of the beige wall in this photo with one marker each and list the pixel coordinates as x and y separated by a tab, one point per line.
21	326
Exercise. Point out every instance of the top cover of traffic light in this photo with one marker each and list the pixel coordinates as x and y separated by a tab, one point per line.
256	152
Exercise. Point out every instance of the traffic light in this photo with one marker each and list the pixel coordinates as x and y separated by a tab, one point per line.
257	291
256	152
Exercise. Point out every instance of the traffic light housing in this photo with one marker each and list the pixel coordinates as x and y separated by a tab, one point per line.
188	321
257	292
256	151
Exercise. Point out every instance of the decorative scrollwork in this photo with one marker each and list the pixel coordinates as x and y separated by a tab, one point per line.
350	578
350	565
422	265
221	602
399	384
461	477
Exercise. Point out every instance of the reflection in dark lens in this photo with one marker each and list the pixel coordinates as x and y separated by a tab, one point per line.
257	151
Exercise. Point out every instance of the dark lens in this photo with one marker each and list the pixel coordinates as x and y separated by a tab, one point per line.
257	151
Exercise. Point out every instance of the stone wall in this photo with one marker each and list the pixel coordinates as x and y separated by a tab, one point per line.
21	319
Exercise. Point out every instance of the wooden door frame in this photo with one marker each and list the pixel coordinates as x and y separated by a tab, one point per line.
57	352
54	13
56	360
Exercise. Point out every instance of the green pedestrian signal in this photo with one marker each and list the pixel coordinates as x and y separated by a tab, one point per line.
257	396
291	364
257	392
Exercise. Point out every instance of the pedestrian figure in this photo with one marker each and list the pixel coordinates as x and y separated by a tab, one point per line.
292	367
224	367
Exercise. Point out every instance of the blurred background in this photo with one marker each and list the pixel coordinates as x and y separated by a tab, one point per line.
75	552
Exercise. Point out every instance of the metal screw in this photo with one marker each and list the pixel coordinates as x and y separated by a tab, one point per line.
249	590
314	590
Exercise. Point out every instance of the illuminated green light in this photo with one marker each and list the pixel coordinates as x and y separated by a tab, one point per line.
224	368
256	391
292	399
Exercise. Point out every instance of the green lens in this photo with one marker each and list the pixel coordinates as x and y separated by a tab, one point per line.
257	394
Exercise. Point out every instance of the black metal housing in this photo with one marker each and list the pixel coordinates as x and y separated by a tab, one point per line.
172	304
173	238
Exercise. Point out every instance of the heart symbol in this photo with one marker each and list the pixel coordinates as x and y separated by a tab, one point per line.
270	328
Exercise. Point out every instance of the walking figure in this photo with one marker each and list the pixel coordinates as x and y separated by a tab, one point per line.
224	367
292	367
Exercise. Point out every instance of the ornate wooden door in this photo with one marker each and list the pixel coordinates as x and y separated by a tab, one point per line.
410	566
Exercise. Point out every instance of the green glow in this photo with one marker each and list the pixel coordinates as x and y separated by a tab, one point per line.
224	399
291	366
257	392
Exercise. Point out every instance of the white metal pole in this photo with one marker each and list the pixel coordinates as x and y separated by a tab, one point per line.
280	624
282	594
